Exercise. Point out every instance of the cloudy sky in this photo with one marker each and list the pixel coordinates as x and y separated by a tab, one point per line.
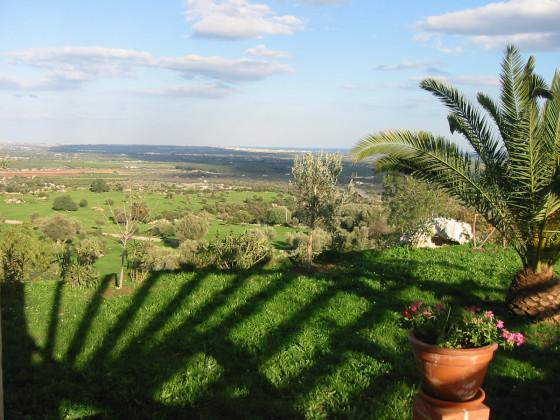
265	73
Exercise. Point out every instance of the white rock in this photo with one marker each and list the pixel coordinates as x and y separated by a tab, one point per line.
438	232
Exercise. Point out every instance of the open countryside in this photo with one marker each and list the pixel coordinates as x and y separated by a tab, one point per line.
187	336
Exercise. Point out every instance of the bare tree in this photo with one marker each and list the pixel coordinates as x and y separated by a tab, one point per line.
127	220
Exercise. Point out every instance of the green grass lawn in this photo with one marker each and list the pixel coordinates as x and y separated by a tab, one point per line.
268	343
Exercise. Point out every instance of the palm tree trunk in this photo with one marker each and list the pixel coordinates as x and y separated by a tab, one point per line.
535	295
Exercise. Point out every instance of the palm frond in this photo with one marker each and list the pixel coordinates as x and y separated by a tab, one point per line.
513	178
470	122
434	159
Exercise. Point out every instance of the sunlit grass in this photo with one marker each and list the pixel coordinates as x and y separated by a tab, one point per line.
268	343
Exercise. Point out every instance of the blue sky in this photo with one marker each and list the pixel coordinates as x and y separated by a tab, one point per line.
262	73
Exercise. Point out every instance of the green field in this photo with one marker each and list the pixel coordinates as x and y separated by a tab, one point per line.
268	343
157	202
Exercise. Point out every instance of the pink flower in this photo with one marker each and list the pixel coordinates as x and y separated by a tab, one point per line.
505	333
488	314
439	306
415	305
500	324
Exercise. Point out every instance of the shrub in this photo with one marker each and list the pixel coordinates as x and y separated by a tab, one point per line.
147	257
83	202
59	228
358	239
191	227
188	253
320	241
278	215
233	252
98	186
298	241
162	228
21	254
64	202
76	262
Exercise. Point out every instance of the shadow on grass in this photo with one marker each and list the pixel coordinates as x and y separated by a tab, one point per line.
258	344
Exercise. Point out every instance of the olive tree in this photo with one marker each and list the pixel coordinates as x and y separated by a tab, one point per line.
191	227
60	228
21	253
318	197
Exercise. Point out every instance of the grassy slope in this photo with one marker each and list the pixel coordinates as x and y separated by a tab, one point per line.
158	202
269	343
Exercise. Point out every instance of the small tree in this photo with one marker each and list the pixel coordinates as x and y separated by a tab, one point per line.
411	202
191	227
278	215
64	202
127	220
59	228
21	253
99	185
317	194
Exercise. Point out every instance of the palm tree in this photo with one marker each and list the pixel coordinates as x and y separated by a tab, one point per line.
511	176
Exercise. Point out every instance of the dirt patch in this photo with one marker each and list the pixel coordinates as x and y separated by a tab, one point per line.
315	268
112	291
124	291
60	173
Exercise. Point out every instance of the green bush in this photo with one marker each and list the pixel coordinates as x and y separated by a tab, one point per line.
98	186
188	253
191	227
147	257
22	255
237	252
162	228
76	262
278	215
59	228
64	202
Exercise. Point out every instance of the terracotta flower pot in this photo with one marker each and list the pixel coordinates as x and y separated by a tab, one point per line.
451	374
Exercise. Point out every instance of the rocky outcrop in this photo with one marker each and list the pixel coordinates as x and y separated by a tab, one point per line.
438	232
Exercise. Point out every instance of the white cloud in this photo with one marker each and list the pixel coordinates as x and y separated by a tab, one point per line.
238	19
83	63
537	42
404	65
326	1
355	87
262	51
219	68
71	67
200	91
407	65
528	23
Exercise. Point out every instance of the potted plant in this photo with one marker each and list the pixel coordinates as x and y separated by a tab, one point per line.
453	348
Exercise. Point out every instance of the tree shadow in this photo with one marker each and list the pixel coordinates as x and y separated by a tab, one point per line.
218	347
